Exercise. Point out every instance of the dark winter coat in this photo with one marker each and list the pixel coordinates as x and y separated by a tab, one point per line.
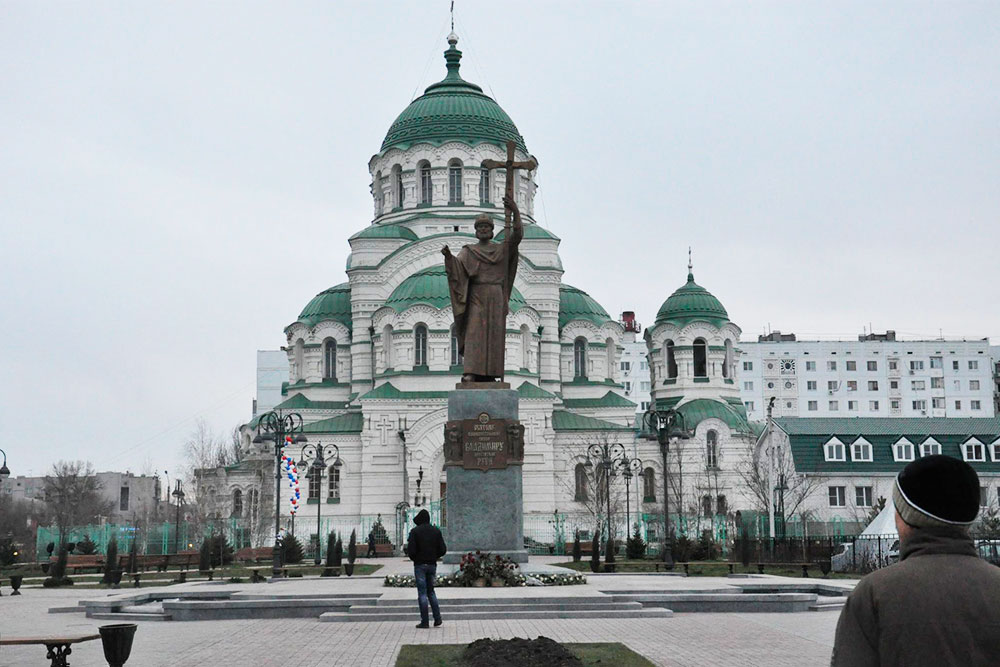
940	605
425	544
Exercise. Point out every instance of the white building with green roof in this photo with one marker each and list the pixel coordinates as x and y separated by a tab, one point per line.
370	360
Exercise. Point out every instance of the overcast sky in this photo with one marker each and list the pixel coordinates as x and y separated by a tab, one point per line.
178	179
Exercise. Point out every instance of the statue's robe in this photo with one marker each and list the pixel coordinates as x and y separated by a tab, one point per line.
480	280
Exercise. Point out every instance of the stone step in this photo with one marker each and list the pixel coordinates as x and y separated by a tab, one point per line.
563	599
122	617
513	606
493	614
828	604
67	610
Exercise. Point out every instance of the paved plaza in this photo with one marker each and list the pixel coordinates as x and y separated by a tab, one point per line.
685	639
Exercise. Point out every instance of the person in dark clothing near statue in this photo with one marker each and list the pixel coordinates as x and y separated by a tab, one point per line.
372	552
939	604
424	547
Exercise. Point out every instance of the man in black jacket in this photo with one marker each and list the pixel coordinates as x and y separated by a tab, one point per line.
424	547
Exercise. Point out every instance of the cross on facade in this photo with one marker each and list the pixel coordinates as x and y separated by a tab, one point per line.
509	165
384	425
533	425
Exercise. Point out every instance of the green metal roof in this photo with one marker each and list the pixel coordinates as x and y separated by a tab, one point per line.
531	231
609	400
529	390
386	232
691	302
700	409
452	110
300	402
352	422
807	437
332	304
388	391
567	421
575	304
430	286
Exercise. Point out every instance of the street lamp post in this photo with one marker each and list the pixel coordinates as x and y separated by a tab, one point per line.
281	430
607	455
178	495
318	455
666	425
4	470
417	500
629	467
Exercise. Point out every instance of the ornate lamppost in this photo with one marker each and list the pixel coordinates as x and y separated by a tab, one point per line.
419	501
281	430
628	467
666	426
607	456
318	455
4	470
178	495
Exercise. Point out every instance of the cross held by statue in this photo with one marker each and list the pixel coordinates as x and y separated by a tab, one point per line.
510	165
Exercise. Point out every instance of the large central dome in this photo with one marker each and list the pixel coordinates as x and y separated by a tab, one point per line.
452	110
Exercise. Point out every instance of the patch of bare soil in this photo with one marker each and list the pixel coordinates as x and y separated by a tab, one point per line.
540	652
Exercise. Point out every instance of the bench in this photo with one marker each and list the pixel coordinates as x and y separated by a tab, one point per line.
57	647
255	554
383	550
81	562
805	567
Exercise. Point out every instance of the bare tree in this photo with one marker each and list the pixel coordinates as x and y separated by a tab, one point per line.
753	472
595	498
206	449
73	495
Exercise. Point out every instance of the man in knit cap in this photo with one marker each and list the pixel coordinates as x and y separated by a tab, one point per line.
940	605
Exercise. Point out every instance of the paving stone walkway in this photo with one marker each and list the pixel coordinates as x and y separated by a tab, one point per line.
740	640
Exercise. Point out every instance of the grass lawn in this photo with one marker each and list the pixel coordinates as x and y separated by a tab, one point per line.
450	655
706	568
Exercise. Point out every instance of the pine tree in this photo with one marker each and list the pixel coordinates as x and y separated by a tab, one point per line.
595	552
205	556
110	561
577	552
635	548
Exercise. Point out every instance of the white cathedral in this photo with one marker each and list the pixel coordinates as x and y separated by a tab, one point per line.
372	359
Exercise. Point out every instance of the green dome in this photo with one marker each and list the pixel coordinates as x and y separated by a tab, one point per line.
430	287
692	302
386	232
332	304
575	304
452	110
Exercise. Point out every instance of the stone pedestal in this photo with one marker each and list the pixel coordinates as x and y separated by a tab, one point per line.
484	507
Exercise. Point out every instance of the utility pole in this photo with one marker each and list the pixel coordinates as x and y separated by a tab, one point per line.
770	471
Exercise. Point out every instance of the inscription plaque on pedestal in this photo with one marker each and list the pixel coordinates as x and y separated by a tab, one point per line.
484	443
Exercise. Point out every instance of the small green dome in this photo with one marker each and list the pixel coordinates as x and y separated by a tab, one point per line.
452	110
575	304
386	232
692	302
430	287
332	304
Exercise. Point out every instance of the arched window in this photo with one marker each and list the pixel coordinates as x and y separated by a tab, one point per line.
397	185
425	183
254	510
525	347
671	360
420	345
456	356
580	478
300	364
648	485
455	182
315	482
484	186
334	478
330	359
377	191
610	348
727	366
580	358
700	358
706	505
712	449
721	505
237	502
387	346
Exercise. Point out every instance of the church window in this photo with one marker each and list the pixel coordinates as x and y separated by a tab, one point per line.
454	182
610	343
484	186
420	345
330	360
525	347
456	356
648	486
671	360
315	482
425	183
387	346
706	505
580	475
300	352
334	492
727	366
721	504
700	358
397	185
580	358
237	502
379	196
712	450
